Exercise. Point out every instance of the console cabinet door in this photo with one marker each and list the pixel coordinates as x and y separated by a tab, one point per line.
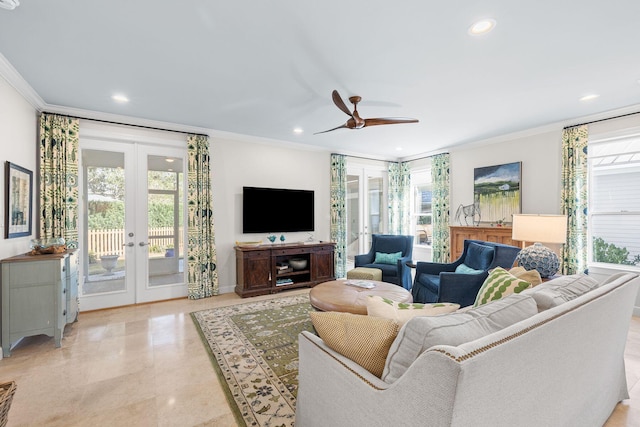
253	271
323	264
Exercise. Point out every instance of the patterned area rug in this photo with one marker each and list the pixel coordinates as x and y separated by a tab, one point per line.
255	350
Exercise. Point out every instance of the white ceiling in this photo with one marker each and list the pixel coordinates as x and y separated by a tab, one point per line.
262	68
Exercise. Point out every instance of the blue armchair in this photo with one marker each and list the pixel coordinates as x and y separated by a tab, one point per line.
394	270
460	281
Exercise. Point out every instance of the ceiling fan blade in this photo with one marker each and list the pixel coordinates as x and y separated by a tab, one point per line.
340	103
329	130
388	121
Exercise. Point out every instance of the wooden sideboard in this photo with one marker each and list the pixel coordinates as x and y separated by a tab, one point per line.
459	234
39	296
257	271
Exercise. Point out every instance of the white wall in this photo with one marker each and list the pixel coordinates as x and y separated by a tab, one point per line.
18	133
238	163
541	157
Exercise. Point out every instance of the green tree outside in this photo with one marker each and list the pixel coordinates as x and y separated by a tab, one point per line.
612	254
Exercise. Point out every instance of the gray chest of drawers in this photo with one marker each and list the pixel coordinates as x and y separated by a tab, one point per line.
39	296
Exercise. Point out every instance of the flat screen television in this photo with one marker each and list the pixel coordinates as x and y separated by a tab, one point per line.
277	210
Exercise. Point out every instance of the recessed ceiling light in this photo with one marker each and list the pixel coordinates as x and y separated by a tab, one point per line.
589	97
120	98
482	27
169	160
298	130
398	148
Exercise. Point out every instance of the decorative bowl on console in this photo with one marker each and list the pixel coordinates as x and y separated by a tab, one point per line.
298	263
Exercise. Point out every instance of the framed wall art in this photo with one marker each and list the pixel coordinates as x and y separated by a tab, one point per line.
497	192
18	206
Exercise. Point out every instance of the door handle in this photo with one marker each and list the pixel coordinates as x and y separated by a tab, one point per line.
143	244
130	244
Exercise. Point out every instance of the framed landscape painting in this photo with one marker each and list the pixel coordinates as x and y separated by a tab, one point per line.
18	198
497	191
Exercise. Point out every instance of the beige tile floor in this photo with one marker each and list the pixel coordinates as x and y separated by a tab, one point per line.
146	366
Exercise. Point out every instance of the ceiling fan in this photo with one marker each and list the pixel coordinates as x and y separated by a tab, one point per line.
9	4
357	122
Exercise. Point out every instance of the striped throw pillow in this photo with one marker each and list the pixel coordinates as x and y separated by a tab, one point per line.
499	284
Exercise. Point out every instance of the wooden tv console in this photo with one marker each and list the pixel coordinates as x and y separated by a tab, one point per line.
258	273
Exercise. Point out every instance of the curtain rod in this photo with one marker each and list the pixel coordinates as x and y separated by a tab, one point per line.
602	120
126	124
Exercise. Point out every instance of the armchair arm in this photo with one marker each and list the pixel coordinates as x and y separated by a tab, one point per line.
433	268
404	272
460	288
363	259
402	264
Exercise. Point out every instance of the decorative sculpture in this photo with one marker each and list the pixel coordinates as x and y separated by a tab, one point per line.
469	211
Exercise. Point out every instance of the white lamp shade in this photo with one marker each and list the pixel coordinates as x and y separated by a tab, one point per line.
539	228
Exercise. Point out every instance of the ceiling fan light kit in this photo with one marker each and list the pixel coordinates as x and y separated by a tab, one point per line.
357	122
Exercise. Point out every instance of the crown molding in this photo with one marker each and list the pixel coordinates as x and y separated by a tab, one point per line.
13	77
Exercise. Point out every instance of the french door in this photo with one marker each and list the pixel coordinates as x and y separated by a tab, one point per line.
133	223
366	208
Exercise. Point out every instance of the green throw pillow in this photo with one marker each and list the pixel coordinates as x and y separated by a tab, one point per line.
465	269
499	284
383	258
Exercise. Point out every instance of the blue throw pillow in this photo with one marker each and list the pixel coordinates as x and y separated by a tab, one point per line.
383	258
478	257
465	269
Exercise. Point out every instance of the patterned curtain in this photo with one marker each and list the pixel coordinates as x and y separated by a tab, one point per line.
202	273
440	207
399	198
59	138
575	198
339	212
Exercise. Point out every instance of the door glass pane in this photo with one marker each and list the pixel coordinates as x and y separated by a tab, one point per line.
104	262
376	208
165	220
353	217
422	214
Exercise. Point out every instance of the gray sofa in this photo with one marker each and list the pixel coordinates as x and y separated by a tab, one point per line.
561	366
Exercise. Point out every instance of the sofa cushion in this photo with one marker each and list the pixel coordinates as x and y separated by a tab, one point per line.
465	269
498	284
363	339
562	289
531	276
402	312
422	333
384	258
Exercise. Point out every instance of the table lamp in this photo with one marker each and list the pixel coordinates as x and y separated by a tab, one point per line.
539	228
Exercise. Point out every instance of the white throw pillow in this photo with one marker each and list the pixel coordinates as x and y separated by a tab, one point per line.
422	333
402	312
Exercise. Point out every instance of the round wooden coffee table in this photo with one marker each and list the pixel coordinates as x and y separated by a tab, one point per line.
338	296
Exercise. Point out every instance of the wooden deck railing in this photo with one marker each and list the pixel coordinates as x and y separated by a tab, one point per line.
112	241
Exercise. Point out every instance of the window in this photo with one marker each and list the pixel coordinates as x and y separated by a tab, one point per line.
421	193
614	199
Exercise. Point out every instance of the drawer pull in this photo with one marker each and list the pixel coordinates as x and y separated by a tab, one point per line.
64	313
